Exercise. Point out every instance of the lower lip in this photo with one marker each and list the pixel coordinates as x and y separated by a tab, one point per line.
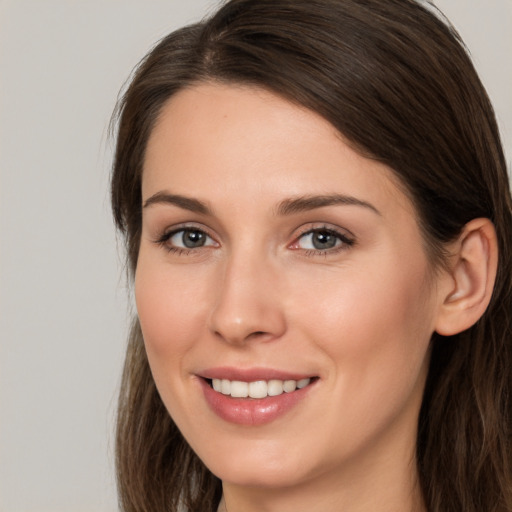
251	411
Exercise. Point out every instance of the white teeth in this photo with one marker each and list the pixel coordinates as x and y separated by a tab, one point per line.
303	383
275	387
239	389
289	385
258	388
225	387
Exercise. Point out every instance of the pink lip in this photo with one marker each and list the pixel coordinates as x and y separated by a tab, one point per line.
250	374
251	411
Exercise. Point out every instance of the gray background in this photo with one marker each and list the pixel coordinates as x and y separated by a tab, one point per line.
63	300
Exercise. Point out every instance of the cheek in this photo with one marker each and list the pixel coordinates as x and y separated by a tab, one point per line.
373	329
367	299
170	308
374	326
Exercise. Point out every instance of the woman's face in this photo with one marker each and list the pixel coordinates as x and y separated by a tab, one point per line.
275	260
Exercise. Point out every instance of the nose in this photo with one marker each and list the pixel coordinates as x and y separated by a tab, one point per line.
248	303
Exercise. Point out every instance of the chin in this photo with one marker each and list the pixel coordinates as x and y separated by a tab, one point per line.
261	465
247	475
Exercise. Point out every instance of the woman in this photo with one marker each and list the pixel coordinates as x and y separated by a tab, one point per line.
318	221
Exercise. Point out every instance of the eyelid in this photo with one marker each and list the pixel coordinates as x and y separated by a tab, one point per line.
185	226
345	236
171	231
207	238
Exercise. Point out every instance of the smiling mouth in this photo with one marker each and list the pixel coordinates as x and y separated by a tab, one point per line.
258	388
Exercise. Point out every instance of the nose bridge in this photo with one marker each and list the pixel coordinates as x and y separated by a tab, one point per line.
247	303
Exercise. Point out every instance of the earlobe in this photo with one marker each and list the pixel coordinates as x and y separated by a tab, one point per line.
472	273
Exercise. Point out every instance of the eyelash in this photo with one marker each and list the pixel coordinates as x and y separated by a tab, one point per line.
163	240
346	241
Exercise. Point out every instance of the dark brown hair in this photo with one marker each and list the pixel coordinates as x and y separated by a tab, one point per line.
396	81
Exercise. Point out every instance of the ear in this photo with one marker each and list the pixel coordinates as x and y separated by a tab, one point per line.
471	277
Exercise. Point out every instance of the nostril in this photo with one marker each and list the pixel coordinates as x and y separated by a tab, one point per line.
257	334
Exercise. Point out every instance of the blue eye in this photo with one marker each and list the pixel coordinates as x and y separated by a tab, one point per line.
190	239
185	239
322	239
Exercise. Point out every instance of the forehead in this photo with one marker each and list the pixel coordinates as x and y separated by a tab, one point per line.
240	143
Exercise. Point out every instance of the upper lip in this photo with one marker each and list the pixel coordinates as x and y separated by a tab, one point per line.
251	374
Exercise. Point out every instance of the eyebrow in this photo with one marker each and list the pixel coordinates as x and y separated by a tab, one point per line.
305	203
286	207
186	203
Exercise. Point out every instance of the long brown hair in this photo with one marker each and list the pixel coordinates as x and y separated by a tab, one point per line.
396	81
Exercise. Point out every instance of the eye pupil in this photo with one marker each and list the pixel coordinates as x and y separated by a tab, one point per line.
323	240
193	239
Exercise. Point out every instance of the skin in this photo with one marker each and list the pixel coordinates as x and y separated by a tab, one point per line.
358	316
